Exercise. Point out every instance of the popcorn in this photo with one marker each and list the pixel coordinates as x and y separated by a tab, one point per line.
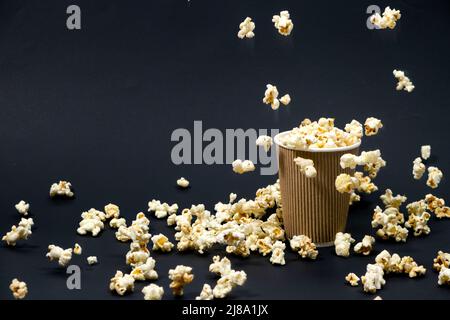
418	168
206	293
137	255
372	125
246	29
418	218
306	167
220	266
227	282
112	211
425	152
116	223
390	220
286	99
392	202
354	128
283	23
20	232
57	253
183	183
354	198
437	206
441	261
92	260
364	184
153	292
345	183
305	247
180	276
121	283
19	289
241	167
352	279
377	298
162	209
77	249
373	279
434	177
342	244
271	97
403	81
388	20
22	207
265	142
371	160
92	222
397	264
161	242
278	253
61	189
444	276
365	246
145	271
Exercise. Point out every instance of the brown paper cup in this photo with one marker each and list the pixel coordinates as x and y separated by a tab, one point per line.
313	206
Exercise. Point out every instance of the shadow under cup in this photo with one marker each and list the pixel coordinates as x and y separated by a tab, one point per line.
312	206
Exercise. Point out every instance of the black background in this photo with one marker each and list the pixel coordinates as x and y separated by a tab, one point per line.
97	107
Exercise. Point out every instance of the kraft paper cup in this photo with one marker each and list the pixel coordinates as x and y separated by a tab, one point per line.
312	206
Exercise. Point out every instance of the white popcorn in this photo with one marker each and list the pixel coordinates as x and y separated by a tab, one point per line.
246	29
373	279
305	247
349	160
404	83
206	293
22	207
145	271
437	206
137	255
425	152
180	276
365	246
116	223
121	283
286	99
278	253
92	260
183	183
442	260
444	276
306	167
92	222
265	142
77	249
20	232
227	282
162	209
418	168
371	160
352	279
220	266
354	198
342	244
418	218
354	128
345	183
434	177
378	298
153	292
241	167
19	289
390	220
388	20
397	264
62	189
372	125
271	97
392	202
283	23
112	211
161	242
364	184
57	253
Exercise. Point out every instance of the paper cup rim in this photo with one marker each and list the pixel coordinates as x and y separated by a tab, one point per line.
314	150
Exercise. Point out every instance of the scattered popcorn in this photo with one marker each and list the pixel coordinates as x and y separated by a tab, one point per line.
403	81
434	177
354	198
441	261
145	271
286	99
444	276
342	244
437	206
372	125
153	292
57	253
418	218
365	246
19	289
373	279
20	232
306	167
278	253
62	189
355	128
92	260
389	220
161	209
305	247
246	29
206	293
392	202
180	276
228	278
418	168
352	279
92	222
77	249
161	242
112	211
371	160
397	264
425	152
443	212
22	207
364	183
271	97
121	283
283	23
183	183
388	20
138	254
345	183
265	142
241	167
116	223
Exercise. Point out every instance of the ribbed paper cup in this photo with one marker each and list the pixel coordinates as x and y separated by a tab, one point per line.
312	206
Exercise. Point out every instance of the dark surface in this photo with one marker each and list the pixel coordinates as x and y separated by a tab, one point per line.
97	107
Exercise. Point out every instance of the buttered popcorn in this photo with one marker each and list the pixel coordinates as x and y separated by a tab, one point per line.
345	183
342	244
59	254
180	277
153	292
283	23
388	20
22	207
92	222
271	97
434	177
265	142
396	264
391	201
246	29
372	126
112	211
161	242
183	183
121	283
418	218
418	168
241	167
404	83
138	254
20	232
77	249
437	206
304	246
286	99
442	260
306	167
19	289
373	280
352	279
161	210
365	247
371	160
206	293
278	253
61	189
425	152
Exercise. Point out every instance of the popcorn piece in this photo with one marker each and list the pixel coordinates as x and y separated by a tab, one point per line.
434	177
62	189
425	152
112	211
418	168
206	293
161	209
392	202
183	183
241	167
345	183
352	279
116	223
278	253
137	255
22	207
286	99
306	167
373	279
161	242
388	20
377	298
19	289
349	160
444	276
364	184
77	249
246	29
441	261
403	81
137	232
372	125
145	271
371	160
354	198
92	222
389	220
365	246
397	264
283	23
220	266
342	244
227	282
20	232
153	292
305	247
265	142
355	128
271	97
57	253
92	260
180	276
418	218
121	283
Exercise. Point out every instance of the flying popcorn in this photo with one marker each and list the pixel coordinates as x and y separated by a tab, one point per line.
19	289
246	29
161	210
365	246
390	221
342	244
20	232
265	142
372	125
371	160
418	168
183	183
59	254
388	20
283	23
92	260
241	167
22	207
437	206
403	82
206	293
121	283
271	97
61	189
180	276
345	183
77	249
390	201
418	218
306	167
153	292
352	279
286	99
425	152
434	177
373	280
161	242
304	246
